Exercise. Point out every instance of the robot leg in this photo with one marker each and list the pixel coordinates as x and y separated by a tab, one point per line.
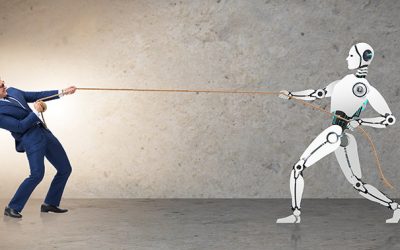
347	156
325	143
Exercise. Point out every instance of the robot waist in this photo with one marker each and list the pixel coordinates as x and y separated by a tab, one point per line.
340	122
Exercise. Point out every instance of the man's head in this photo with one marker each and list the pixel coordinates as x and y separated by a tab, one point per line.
3	89
360	55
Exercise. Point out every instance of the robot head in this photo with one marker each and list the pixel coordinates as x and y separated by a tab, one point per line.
360	55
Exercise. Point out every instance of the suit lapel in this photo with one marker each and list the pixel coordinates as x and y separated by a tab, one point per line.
18	101
9	107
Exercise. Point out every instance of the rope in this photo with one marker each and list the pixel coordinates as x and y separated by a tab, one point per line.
188	91
315	107
172	91
378	163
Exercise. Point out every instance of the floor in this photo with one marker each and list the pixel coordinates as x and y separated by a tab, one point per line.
201	224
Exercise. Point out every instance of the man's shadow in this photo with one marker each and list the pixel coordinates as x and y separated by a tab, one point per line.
12	223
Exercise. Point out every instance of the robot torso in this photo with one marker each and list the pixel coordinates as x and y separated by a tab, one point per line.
350	95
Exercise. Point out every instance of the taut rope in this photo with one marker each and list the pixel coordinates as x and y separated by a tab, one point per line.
363	132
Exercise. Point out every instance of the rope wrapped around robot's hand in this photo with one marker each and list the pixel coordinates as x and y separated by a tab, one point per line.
284	94
353	124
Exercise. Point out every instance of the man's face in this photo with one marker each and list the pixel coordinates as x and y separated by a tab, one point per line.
3	89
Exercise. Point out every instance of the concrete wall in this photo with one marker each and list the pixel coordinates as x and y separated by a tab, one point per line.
194	145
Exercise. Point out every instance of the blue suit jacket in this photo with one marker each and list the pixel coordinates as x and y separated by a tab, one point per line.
22	122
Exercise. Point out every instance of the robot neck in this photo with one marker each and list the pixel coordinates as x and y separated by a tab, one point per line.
362	72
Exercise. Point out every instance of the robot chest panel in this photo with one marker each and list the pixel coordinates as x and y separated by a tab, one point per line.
349	94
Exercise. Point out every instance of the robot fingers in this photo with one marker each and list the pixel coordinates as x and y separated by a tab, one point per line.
284	94
353	124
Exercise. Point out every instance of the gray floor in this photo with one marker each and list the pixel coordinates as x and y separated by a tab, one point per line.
201	224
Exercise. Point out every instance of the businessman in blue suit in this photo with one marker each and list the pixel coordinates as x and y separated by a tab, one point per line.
33	137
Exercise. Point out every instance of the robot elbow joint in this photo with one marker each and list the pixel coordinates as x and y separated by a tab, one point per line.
390	119
320	93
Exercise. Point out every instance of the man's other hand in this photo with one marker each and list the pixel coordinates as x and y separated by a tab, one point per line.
40	106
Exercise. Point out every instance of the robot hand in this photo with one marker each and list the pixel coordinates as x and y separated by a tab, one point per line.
353	124
284	94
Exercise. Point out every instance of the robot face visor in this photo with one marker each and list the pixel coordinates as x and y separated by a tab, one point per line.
353	60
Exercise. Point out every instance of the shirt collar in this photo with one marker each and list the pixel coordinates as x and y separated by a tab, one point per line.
5	98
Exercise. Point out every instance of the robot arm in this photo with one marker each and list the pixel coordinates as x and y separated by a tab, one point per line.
309	94
379	104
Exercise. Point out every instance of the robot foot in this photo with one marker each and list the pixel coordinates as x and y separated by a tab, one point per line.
290	219
395	218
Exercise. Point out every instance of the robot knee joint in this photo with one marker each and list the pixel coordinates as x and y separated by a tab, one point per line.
359	186
298	168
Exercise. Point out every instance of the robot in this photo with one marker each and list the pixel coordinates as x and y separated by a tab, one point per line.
349	97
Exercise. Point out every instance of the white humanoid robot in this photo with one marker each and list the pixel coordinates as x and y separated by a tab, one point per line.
349	96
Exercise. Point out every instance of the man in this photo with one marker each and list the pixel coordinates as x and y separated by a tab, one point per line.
33	137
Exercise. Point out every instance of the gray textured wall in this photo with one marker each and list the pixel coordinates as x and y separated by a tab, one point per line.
194	145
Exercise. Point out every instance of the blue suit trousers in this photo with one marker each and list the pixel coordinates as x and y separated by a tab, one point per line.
52	149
